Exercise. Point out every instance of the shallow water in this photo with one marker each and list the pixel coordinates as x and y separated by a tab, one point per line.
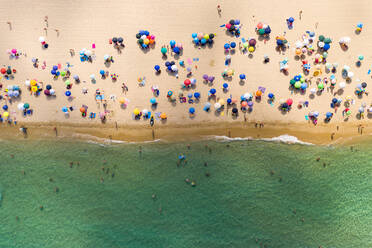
239	202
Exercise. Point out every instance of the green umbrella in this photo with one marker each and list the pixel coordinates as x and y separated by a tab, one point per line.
321	37
360	57
63	73
320	86
292	82
26	105
163	50
327	40
261	31
67	82
297	85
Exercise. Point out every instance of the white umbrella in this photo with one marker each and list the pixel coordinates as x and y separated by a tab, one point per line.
320	44
88	53
350	74
27	83
174	68
313	90
342	85
92	76
20	106
346	68
41	39
145	111
52	92
217	105
106	57
298	44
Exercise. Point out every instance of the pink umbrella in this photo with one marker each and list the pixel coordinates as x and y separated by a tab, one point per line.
14	50
289	101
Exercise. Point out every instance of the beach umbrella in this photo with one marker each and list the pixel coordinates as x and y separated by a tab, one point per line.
52	92
271	95
3	70
217	105
329	115
157	67
250	104
187	82
207	105
121	100
136	111
172	43
364	85
102	72
153	100
289	101
68	93
233	44
197	95
163	116
258	93
164	50
174	68
64	109
297	84
334	100
120	39
225	85
210	78
48	87
20	106
227	46
313	91
46	92
350	74
252	42
191	110
320	86
6	114
212	91
221	101
145	111
303	86
234	110
242	76
26	105
5	107
342	85
244	104
67	82
361	110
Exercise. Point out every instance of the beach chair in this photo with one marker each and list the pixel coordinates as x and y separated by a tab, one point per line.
92	115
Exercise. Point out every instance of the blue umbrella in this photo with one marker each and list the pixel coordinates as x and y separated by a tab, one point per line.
157	67
64	109
233	44
329	115
334	100
102	72
194	35
290	19
55	68
203	41
153	100
303	86
68	93
5	107
242	76
326	47
48	87
271	95
213	91
226	46
189	95
172	43
191	110
176	50
167	63
53	72
225	85
196	94
196	40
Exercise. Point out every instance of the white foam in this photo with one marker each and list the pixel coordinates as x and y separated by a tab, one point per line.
102	141
288	139
285	138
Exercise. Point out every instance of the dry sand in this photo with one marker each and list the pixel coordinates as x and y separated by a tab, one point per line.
81	23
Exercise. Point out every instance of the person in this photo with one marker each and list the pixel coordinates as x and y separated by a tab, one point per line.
219	10
124	88
300	14
57	31
10	25
46	20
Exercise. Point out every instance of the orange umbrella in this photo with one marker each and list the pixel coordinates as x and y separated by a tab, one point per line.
163	116
258	93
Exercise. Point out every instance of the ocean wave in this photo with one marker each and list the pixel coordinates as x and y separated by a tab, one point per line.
285	138
104	141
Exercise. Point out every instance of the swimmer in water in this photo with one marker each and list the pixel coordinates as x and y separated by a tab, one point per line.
153	196
205	164
102	180
71	164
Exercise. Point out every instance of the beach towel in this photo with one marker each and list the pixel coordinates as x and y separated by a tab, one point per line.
100	97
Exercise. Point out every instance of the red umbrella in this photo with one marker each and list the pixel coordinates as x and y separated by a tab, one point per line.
289	101
3	70
187	82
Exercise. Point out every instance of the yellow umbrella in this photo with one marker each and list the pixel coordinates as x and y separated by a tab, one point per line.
163	116
33	82
136	111
221	101
121	100
6	114
33	88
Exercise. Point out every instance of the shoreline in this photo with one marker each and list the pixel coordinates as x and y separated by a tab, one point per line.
348	133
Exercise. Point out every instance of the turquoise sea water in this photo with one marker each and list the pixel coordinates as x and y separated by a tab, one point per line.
275	193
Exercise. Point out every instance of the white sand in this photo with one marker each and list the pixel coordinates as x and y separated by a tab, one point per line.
81	23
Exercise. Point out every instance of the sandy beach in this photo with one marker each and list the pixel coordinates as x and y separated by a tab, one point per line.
80	24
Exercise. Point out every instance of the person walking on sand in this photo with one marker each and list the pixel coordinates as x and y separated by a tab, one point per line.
219	10
10	25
